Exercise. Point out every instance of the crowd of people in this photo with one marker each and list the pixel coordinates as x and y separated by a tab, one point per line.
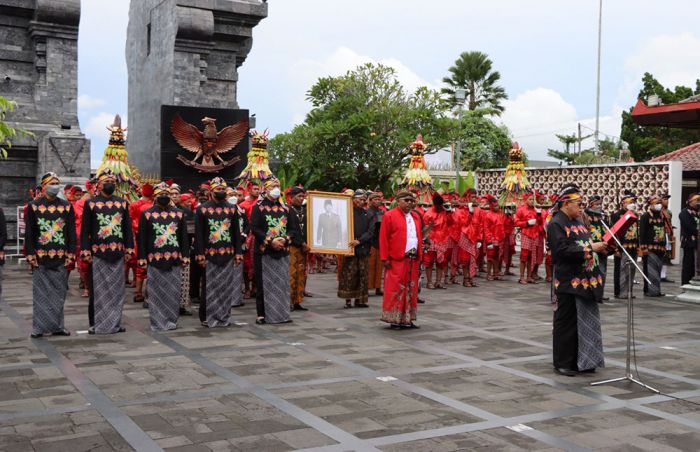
221	244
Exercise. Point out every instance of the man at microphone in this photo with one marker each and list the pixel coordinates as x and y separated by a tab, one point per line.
578	288
624	274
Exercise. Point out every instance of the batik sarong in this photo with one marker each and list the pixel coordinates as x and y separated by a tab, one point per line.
590	338
164	291
654	264
468	254
185	301
109	293
219	281
375	271
237	292
297	274
400	303
49	287
275	279
352	279
627	272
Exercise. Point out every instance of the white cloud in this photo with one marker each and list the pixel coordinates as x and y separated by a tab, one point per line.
96	128
304	74
535	116
87	102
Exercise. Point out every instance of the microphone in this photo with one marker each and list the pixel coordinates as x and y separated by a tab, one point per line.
594	212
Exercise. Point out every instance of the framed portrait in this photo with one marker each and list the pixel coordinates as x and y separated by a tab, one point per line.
330	222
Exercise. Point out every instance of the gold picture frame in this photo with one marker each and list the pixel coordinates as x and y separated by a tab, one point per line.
329	217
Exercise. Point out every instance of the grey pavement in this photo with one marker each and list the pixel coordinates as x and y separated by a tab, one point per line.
476	376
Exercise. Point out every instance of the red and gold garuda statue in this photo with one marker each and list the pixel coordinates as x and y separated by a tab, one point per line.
209	144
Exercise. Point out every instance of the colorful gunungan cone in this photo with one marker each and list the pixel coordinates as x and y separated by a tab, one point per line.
116	158
515	182
258	167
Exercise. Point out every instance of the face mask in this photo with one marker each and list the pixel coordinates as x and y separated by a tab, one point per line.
471	207
108	188
163	200
303	203
658	207
233	200
52	190
275	193
631	206
219	195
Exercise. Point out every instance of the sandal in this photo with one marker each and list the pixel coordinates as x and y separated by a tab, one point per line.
522	281
430	286
347	306
490	278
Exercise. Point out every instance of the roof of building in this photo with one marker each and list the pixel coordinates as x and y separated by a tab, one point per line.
685	114
689	155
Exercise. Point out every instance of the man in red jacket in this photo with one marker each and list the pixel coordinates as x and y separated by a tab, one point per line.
470	227
526	218
508	241
253	189
400	239
439	221
493	239
541	210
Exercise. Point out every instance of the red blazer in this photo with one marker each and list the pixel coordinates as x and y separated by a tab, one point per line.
493	227
392	235
475	229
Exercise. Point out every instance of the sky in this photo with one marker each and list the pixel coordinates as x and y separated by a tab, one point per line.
545	51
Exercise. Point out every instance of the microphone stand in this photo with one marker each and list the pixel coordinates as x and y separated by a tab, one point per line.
628	371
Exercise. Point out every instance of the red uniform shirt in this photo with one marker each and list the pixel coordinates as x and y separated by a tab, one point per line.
392	235
135	210
440	224
493	227
522	216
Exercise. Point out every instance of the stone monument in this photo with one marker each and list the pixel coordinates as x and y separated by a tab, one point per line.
39	71
183	53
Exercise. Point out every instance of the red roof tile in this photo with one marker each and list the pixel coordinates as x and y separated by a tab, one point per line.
689	155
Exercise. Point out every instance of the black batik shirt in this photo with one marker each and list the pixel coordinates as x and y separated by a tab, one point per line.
576	267
50	231
652	233
106	228
270	220
299	236
163	239
217	232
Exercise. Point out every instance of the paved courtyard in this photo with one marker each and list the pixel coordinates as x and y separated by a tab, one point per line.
476	376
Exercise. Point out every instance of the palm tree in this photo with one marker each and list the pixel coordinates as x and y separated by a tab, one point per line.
473	72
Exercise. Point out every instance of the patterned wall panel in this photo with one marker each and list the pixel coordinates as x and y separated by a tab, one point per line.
608	181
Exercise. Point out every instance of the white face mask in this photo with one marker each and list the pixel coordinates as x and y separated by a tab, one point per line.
233	200
471	207
275	193
631	206
303	203
658	207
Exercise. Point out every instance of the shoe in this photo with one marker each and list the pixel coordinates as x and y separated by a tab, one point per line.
564	371
61	333
667	280
184	311
587	371
308	295
121	330
656	296
36	335
379	292
138	299
260	321
394	326
145	304
606	298
91	330
365	305
300	308
239	305
194	300
413	325
421	301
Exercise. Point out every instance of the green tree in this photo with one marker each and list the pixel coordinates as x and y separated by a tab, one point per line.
648	142
473	72
358	131
484	144
609	151
567	155
7	133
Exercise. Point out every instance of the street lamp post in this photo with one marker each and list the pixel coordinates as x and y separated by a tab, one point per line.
460	96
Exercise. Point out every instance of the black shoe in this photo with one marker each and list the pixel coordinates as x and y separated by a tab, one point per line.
194	300
239	305
413	325
299	307
379	292
121	330
347	306
565	372
606	298
61	333
308	295
145	305
36	335
587	371
421	301
667	280
91	330
185	312
656	296
394	326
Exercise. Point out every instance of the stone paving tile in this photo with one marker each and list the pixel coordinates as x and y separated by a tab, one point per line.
235	418
373	408
75	432
497	439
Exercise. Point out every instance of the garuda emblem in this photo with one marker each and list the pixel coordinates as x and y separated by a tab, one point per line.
208	145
